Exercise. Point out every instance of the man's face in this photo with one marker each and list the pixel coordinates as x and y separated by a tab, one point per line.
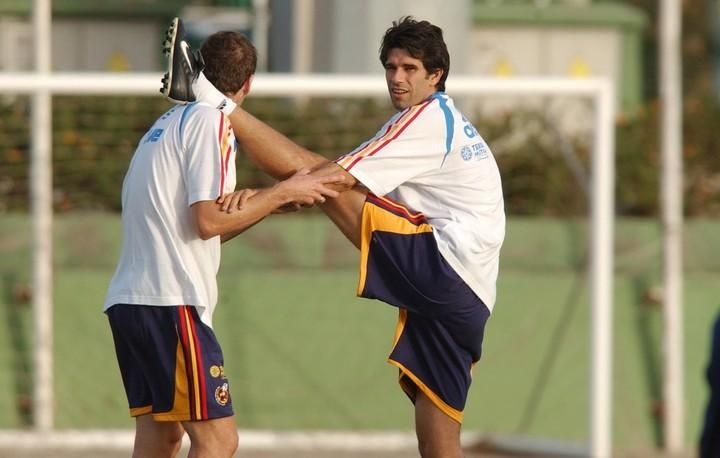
409	83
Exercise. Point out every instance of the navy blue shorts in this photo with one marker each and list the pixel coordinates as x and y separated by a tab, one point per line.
439	333
170	362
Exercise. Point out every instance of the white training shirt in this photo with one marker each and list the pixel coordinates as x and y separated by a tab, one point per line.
430	158
187	156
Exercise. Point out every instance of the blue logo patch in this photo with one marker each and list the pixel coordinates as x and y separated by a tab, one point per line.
153	136
480	151
475	152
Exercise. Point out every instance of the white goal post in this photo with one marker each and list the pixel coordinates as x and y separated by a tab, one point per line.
599	90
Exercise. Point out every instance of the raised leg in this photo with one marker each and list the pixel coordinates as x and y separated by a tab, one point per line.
280	157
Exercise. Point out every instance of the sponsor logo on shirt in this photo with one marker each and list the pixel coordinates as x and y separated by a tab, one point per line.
480	150
466	153
477	151
469	129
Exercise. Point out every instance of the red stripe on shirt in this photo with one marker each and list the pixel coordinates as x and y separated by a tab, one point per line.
220	149
372	141
368	145
386	142
227	163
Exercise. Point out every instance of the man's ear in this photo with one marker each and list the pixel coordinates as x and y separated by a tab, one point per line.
246	87
435	76
241	93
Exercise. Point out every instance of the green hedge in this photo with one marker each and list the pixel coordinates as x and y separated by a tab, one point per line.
94	138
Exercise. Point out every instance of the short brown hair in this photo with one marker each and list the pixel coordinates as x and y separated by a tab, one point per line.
230	59
423	41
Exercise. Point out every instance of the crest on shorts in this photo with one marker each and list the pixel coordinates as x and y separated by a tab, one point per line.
222	394
466	153
217	371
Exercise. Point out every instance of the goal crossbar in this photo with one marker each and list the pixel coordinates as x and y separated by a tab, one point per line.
290	85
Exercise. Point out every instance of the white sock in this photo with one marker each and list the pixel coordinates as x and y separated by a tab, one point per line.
206	92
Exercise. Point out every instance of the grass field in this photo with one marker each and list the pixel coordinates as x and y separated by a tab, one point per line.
303	353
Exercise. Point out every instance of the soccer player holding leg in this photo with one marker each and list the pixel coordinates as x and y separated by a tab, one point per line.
161	299
422	200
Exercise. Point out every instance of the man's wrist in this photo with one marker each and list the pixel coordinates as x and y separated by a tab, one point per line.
278	196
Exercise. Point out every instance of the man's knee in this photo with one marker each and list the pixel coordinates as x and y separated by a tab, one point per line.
175	435
433	449
221	446
173	440
219	436
224	445
232	442
426	447
163	445
439	447
157	438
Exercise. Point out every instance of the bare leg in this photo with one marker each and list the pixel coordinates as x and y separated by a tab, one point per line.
154	439
280	157
438	435
346	212
271	151
212	438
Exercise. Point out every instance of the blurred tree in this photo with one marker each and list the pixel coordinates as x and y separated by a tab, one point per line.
697	45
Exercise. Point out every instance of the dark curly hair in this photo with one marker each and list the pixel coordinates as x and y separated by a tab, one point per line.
230	59
422	41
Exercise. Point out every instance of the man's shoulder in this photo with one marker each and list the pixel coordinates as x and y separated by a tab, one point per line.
436	105
423	115
443	107
202	109
200	113
442	101
198	117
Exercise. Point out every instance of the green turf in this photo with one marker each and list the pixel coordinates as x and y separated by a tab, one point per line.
303	353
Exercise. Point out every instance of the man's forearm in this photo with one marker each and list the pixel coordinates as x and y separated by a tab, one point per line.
268	149
331	168
231	235
213	222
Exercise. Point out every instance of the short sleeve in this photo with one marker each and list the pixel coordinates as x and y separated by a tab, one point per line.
411	143
209	148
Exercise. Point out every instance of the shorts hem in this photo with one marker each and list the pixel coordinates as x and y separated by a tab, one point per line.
138	411
216	417
183	417
171	416
451	412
